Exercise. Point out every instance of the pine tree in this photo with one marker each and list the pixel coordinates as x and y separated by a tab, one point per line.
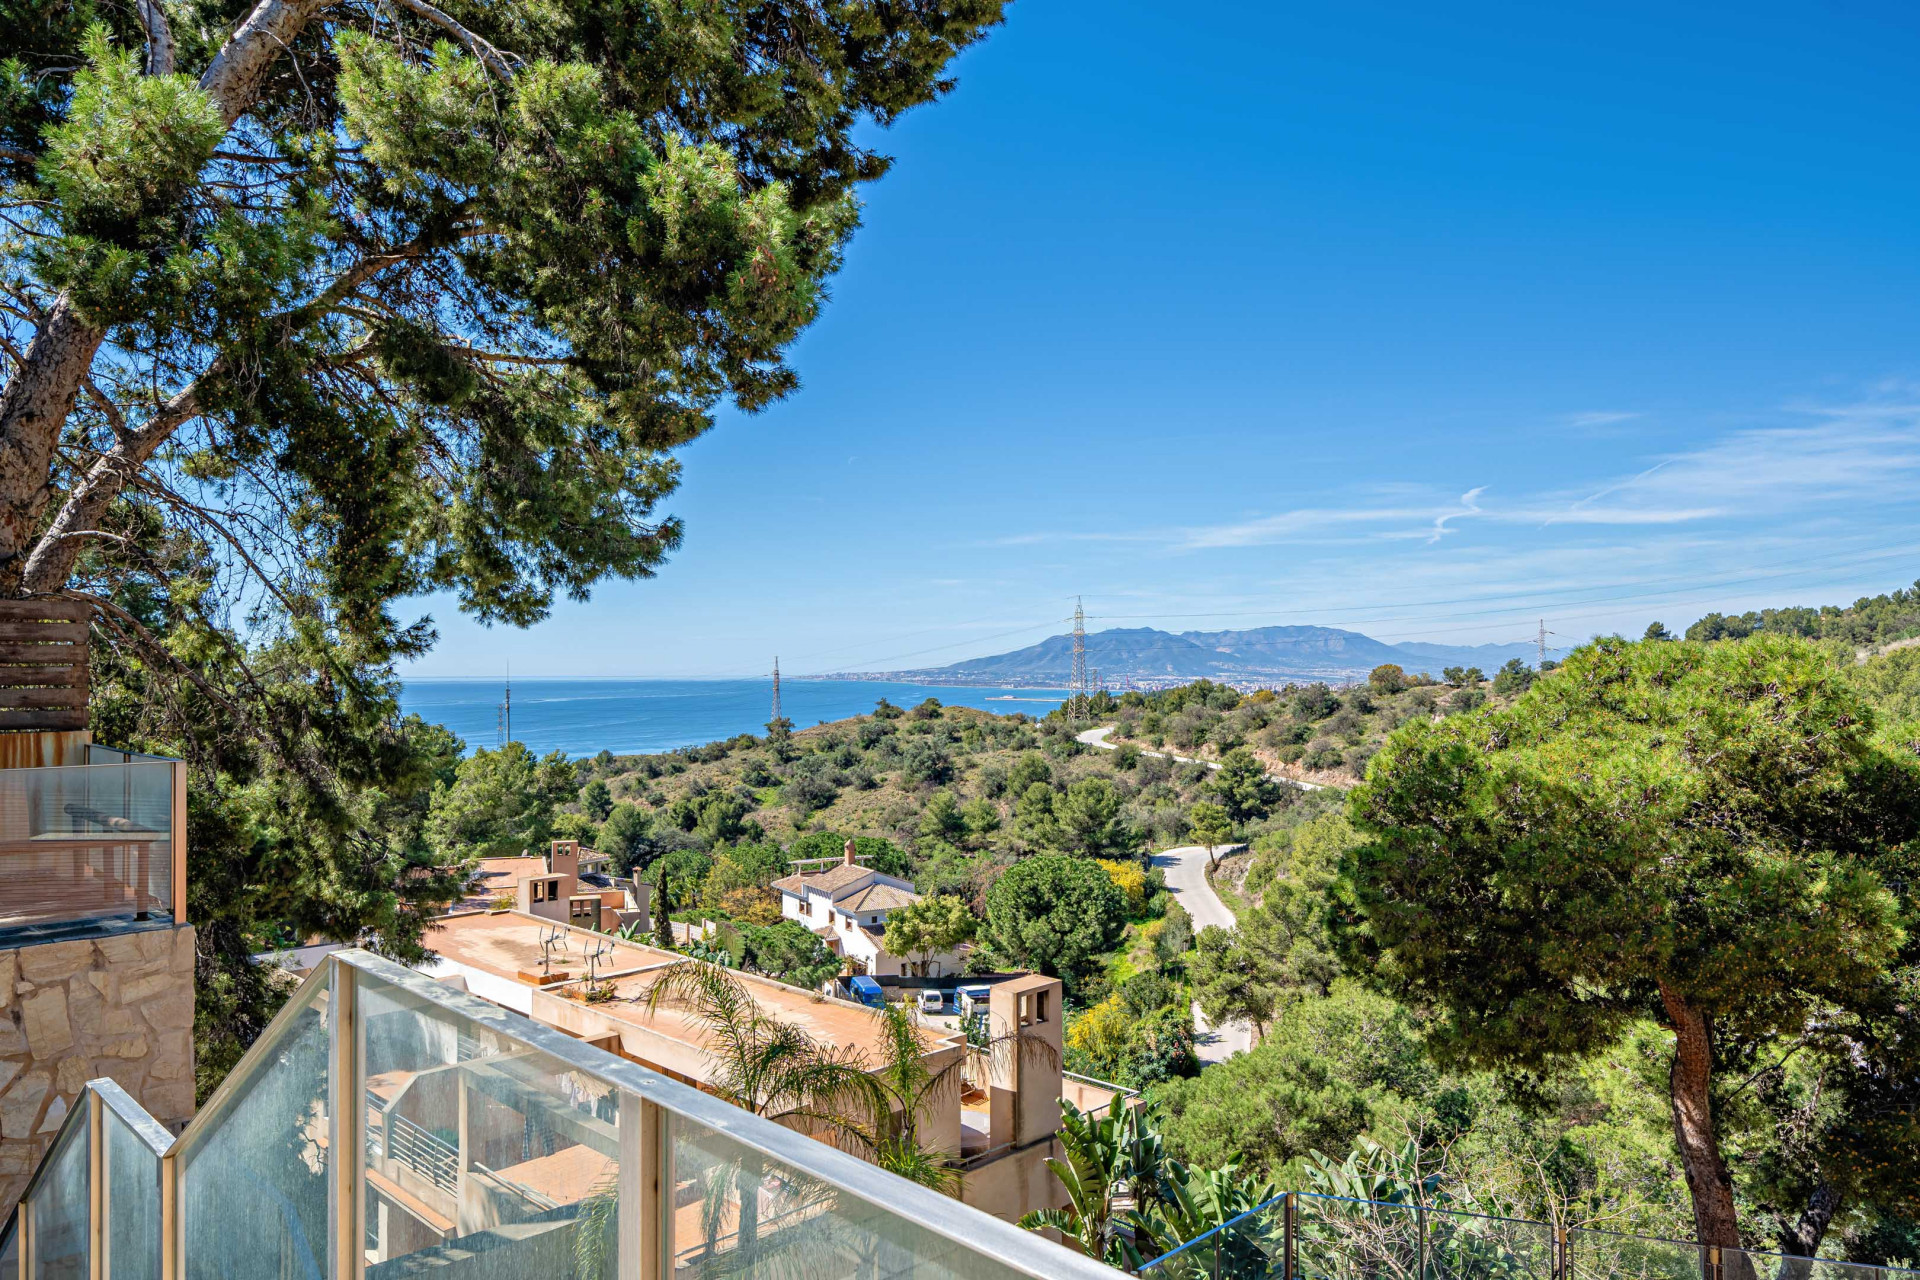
315	308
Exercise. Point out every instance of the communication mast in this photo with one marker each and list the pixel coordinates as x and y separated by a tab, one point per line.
505	716
1077	709
776	686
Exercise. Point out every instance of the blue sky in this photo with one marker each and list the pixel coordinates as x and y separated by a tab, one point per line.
1431	321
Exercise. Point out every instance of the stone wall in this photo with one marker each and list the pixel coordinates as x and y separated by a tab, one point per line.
118	1006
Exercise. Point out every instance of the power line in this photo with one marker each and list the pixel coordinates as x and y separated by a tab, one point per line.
1649	596
945	627
1844	560
1031	626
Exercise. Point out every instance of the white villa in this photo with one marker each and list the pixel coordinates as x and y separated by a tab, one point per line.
847	905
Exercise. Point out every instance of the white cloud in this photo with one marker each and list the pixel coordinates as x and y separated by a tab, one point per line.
1741	488
1468	507
1287	525
1592	421
1851	455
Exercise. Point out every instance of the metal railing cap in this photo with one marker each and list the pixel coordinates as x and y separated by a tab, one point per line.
130	1113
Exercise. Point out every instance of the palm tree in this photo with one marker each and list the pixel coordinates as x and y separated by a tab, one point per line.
889	1135
763	1065
904	1089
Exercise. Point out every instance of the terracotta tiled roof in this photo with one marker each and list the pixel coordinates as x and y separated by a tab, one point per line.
878	897
829	882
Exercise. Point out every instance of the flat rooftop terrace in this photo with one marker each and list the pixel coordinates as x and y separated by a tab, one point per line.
507	944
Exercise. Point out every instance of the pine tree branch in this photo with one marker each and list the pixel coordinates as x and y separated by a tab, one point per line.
56	550
489	56
233	78
159	37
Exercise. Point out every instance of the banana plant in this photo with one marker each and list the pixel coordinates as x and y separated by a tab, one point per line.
1194	1202
1103	1148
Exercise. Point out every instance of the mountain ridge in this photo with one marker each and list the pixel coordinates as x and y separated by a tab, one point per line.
1147	654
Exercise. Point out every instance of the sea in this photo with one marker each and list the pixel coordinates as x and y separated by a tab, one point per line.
627	717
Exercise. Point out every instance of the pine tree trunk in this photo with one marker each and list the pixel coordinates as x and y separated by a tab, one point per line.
1690	1085
37	400
33	412
1803	1239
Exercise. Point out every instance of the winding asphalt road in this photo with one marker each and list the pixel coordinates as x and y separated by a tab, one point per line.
1186	871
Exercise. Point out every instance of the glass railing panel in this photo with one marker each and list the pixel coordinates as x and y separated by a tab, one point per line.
1251	1246
58	1205
10	1248
483	1156
94	753
85	842
1472	1246
735	1212
254	1183
133	1201
1746	1264
1608	1255
1338	1239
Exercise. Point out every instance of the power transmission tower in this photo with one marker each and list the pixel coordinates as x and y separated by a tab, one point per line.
776	686
1077	710
505	728
1541	640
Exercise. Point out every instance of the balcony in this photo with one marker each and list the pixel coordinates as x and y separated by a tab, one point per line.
98	843
388	1125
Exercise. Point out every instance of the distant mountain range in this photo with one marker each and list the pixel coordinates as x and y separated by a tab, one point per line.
1144	655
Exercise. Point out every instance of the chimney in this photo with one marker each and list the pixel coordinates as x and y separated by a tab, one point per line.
563	858
847	853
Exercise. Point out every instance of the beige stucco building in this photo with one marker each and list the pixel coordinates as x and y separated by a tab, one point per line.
1000	1126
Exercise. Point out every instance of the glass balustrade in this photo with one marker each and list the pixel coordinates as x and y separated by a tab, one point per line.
1477	1246
60	1211
386	1125
1592	1255
131	1145
1332	1238
254	1168
87	842
1746	1264
1252	1244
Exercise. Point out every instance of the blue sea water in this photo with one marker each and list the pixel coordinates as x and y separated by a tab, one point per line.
581	717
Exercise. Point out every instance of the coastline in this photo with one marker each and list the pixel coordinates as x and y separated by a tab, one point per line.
650	716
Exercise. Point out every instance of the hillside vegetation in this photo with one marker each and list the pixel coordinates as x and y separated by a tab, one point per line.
1046	843
1314	732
